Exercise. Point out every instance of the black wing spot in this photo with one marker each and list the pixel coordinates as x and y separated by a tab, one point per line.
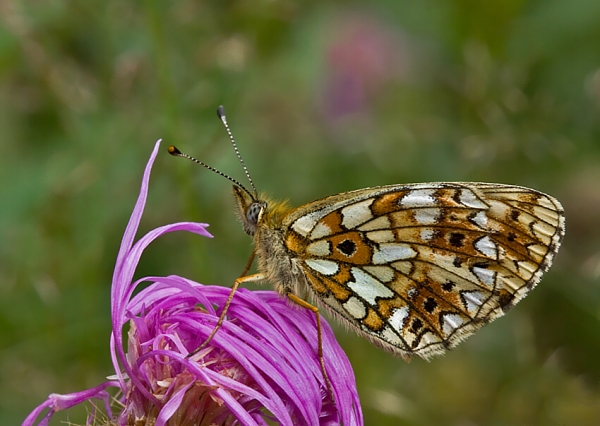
457	262
514	214
511	237
430	304
416	325
456	239
347	247
448	285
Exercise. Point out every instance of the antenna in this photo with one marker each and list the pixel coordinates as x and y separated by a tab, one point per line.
177	153
221	114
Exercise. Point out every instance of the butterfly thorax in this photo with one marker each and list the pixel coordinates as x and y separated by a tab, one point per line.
262	219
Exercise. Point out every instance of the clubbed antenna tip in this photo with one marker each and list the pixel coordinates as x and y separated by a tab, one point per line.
174	151
221	112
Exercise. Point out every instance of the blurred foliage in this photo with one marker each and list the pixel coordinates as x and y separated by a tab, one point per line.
323	97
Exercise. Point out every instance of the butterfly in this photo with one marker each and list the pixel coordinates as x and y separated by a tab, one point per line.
414	268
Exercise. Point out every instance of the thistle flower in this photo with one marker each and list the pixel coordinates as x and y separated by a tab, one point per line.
261	366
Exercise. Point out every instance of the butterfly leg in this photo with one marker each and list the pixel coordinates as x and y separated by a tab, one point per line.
243	279
303	303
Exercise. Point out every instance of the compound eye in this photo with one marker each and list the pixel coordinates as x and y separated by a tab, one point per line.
253	213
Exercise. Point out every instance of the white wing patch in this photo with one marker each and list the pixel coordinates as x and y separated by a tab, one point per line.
419	198
469	199
355	308
480	219
426	234
305	224
451	322
387	253
486	246
398	317
368	287
381	236
485	276
319	248
323	266
427	216
320	230
356	214
473	299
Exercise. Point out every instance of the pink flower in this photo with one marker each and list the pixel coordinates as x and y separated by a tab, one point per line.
261	365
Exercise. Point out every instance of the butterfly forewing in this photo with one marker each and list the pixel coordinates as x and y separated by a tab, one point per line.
417	268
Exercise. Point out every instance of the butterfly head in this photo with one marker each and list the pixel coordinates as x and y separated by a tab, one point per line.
250	209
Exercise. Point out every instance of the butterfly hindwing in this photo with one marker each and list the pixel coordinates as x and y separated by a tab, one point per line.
417	268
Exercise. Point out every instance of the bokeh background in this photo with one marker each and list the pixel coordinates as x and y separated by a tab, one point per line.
323	97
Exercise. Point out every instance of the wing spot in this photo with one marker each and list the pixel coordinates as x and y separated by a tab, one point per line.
416	325
384	274
381	236
511	237
456	239
347	247
514	214
430	304
457	262
381	222
448	285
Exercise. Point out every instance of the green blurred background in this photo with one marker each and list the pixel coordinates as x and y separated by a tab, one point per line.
323	97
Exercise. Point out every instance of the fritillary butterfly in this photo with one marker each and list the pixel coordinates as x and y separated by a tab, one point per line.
414	268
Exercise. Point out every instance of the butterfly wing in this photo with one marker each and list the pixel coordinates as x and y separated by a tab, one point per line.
418	268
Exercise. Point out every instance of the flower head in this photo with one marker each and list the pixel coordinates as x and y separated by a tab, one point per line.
260	366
